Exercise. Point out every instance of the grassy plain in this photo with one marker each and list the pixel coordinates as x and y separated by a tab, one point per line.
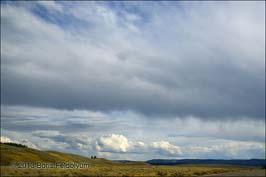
99	167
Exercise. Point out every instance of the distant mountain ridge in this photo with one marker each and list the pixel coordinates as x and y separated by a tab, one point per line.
250	162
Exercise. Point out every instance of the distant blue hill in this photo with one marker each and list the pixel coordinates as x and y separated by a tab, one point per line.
251	162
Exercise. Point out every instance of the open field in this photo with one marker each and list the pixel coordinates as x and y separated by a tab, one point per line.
103	167
126	170
250	172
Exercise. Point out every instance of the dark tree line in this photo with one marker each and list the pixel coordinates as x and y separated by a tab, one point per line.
15	144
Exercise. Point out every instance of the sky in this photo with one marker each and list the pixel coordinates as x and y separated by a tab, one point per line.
135	80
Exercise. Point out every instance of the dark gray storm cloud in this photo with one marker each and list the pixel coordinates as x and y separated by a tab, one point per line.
207	60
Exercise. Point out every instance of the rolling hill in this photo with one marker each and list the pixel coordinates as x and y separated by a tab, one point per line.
14	153
10	154
99	167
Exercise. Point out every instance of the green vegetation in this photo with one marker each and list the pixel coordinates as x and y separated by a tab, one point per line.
98	166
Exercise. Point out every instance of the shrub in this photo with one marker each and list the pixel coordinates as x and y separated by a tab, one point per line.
161	173
197	173
177	174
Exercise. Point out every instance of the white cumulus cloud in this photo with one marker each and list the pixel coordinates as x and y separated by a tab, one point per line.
165	148
5	140
112	143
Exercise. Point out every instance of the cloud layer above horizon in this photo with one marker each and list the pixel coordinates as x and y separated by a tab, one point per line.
135	78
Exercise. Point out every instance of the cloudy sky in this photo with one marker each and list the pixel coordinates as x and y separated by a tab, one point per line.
135	80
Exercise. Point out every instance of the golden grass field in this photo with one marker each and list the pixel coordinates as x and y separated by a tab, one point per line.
125	170
101	167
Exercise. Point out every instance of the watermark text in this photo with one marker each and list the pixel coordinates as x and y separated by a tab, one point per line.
50	165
